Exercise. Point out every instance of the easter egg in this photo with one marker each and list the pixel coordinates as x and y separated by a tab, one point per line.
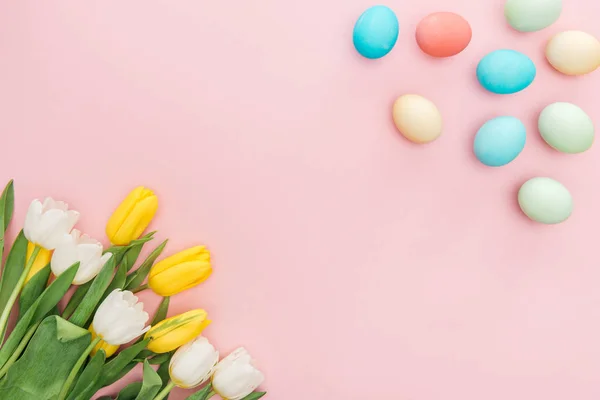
443	34
545	200
505	71
499	141
376	32
417	118
573	52
566	127
532	15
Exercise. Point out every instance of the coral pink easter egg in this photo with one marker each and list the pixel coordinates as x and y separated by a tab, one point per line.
443	34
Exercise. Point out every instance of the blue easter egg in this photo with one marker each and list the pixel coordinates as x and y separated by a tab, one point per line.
376	32
499	141
505	71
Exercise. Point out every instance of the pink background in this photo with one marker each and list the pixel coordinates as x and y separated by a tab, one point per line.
351	263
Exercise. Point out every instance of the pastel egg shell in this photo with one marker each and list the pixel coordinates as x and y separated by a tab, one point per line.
499	141
443	34
573	52
505	71
376	32
566	127
545	200
532	15
417	118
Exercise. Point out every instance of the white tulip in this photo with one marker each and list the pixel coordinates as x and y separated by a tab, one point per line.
77	247
47	223
120	318
193	363
235	377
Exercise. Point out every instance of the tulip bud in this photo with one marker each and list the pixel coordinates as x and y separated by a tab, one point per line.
109	349
132	216
193	363
235	376
47	223
176	331
42	259
120	318
180	271
79	248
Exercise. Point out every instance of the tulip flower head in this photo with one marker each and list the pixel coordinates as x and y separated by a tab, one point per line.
120	318
235	376
46	223
180	271
42	259
176	331
193	363
77	247
132	216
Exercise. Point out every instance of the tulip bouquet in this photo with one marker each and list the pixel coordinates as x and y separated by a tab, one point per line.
71	352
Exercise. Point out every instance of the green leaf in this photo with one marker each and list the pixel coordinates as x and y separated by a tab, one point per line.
113	367
37	375
84	389
38	310
76	299
161	312
130	391
254	396
33	289
123	372
160	358
136	278
15	263
202	394
94	294
151	383
120	251
104	398
7	206
132	255
163	372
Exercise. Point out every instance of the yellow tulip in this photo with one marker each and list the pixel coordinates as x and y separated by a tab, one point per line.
132	217
42	259
176	331
109	349
180	271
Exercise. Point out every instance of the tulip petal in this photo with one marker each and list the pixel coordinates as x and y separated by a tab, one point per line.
196	253
32	220
179	277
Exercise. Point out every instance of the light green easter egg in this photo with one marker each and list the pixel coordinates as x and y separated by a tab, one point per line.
566	127
532	15
545	200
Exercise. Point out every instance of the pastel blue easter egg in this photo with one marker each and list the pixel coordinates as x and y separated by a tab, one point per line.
499	141
505	71
376	32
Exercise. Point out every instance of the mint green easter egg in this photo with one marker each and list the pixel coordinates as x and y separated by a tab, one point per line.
532	15
566	127
545	200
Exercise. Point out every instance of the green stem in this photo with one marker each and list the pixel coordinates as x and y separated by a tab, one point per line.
140	288
165	391
17	290
211	394
71	378
19	349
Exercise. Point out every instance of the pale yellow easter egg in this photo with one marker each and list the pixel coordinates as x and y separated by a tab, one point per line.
573	52
417	118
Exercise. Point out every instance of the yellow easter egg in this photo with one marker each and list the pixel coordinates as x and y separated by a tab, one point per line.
573	52
417	118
